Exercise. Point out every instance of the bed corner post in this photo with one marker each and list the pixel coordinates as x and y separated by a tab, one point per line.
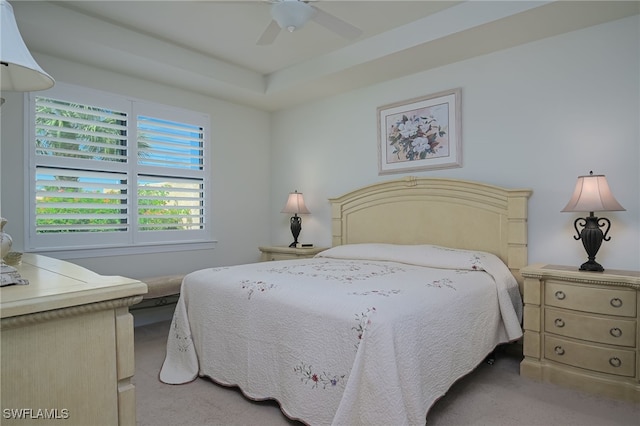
517	217
336	222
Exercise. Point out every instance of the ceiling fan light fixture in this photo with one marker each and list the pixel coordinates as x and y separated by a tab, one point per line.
291	15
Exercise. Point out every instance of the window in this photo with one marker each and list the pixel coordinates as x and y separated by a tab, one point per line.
110	172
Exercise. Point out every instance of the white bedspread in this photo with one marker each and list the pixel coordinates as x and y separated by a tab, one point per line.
367	334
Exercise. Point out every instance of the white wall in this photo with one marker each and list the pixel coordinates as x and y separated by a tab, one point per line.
535	116
241	173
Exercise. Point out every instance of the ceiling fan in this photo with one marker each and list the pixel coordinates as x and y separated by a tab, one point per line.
294	14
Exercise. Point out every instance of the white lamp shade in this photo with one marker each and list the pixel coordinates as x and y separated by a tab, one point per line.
19	72
592	194
295	204
291	14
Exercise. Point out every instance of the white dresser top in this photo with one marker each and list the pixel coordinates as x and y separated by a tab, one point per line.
55	284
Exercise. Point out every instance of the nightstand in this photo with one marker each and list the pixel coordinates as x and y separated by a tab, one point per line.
581	329
285	253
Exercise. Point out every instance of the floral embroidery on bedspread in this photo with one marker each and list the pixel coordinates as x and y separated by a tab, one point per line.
475	260
363	321
183	340
324	379
476	263
255	286
443	282
344	272
316	379
385	293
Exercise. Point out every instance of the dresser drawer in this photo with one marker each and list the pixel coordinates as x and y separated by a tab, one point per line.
608	301
611	331
620	362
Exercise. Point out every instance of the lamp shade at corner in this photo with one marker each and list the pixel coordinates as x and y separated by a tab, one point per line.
19	72
592	194
295	204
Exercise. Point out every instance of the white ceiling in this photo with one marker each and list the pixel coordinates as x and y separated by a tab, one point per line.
210	47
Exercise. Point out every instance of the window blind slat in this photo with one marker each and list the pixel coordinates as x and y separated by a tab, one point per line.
83	228
118	144
84	134
190	140
44	104
98	125
81	154
172	156
120	197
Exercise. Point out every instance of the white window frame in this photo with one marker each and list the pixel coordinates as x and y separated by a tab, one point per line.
131	241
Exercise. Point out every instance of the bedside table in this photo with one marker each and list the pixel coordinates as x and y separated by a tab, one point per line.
286	253
581	329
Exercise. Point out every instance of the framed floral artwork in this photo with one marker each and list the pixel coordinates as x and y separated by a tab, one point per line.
420	134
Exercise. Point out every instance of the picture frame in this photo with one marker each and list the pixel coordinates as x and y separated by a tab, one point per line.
420	134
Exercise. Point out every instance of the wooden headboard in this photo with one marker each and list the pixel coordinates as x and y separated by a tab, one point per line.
446	212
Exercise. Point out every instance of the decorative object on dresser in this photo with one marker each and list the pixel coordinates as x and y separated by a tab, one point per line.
19	72
5	239
295	205
592	194
581	329
8	274
285	253
67	345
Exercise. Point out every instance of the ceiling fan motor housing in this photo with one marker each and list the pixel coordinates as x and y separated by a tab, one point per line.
291	15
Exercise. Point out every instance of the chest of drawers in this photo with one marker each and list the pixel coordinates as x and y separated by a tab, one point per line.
582	330
66	348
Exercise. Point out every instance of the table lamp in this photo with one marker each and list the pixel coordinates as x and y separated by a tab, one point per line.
295	205
592	194
19	72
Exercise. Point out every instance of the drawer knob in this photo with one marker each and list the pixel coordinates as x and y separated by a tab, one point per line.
615	362
615	332
615	302
559	322
560	351
560	295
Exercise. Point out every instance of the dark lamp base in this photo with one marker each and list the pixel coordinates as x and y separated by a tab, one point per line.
296	227
592	237
591	266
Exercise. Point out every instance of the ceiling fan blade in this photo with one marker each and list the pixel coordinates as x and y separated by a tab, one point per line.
269	34
335	24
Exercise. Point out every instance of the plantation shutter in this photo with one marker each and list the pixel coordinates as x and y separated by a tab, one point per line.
106	171
81	166
170	178
80	201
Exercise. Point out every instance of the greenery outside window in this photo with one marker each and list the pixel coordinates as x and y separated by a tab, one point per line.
108	171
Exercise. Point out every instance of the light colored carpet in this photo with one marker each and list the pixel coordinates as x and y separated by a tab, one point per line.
492	395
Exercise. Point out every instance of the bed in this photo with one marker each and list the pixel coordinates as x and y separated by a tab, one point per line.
420	285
